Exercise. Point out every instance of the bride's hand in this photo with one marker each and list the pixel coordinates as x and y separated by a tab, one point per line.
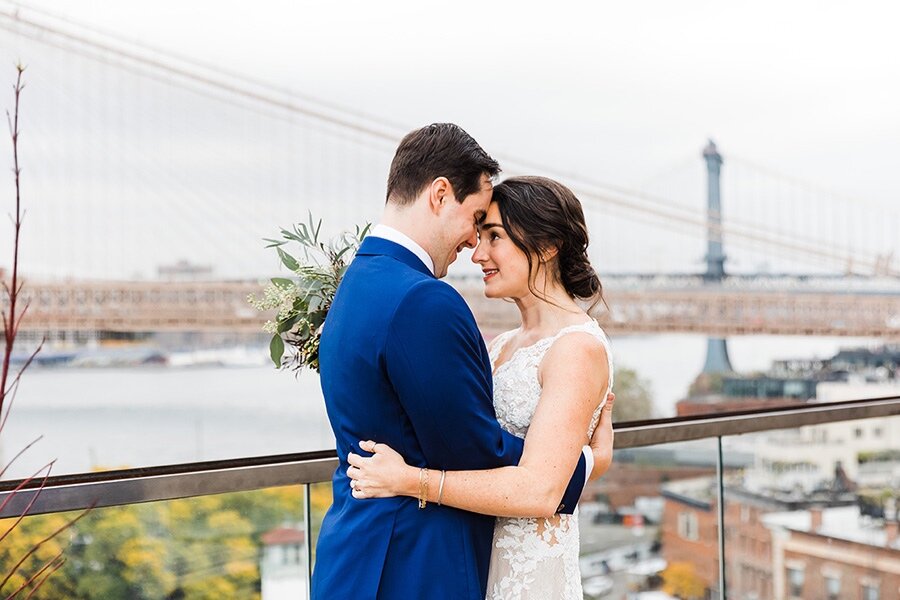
602	440
383	475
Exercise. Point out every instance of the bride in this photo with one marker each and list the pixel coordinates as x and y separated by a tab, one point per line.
552	376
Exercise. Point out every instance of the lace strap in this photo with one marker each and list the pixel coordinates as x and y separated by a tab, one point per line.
586	327
495	347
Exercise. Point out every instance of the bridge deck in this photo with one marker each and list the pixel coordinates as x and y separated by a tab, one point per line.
719	310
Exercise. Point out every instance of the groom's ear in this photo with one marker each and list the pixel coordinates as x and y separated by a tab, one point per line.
439	193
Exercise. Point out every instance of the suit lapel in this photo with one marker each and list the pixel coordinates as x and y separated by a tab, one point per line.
376	246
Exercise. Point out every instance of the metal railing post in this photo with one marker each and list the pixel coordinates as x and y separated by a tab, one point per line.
307	515
720	478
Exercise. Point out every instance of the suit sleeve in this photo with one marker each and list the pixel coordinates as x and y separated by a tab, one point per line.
436	360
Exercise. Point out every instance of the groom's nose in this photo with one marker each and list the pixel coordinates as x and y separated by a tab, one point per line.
472	240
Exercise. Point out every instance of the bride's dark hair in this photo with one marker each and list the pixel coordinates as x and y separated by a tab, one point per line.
540	214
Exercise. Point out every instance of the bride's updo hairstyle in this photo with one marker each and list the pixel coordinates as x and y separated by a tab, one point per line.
540	214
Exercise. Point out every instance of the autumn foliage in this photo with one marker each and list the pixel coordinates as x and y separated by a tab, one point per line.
200	548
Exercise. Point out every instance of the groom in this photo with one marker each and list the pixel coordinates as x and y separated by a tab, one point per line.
403	362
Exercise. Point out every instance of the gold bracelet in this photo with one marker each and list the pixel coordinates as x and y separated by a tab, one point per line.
423	487
441	487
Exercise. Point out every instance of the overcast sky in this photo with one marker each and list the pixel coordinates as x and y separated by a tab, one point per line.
615	89
619	91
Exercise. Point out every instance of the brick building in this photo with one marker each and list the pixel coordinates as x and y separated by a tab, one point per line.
834	554
754	570
689	528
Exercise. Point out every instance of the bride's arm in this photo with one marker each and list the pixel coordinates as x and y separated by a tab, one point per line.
574	376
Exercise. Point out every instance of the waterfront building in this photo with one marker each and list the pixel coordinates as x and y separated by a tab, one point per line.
282	567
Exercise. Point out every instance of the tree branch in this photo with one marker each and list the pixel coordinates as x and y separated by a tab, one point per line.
18	454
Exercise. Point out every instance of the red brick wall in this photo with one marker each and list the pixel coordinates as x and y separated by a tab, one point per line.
748	551
626	481
851	569
685	408
703	553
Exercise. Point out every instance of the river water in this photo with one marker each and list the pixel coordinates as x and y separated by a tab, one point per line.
116	417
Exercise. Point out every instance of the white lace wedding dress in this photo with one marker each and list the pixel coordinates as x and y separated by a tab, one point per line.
534	558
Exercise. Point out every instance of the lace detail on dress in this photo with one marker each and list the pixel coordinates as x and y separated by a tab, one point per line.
534	558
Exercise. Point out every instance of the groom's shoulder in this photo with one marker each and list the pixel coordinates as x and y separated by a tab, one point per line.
430	293
432	300
382	279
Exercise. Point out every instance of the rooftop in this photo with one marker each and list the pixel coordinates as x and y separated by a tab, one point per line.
843	523
282	536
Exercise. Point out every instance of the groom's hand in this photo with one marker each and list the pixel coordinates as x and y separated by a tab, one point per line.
602	440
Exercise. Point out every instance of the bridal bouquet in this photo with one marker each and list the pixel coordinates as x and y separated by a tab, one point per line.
301	302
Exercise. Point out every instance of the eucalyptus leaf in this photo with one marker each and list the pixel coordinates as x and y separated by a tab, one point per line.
311	285
338	256
276	349
287	325
287	260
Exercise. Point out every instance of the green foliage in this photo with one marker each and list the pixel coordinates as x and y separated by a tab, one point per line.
634	401
878	456
707	383
302	302
320	499
193	549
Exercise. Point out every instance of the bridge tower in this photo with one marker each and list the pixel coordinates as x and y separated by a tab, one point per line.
716	348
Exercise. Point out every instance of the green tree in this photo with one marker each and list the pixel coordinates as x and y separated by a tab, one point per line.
634	401
321	498
706	383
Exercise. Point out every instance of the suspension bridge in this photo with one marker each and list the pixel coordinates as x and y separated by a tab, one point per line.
137	158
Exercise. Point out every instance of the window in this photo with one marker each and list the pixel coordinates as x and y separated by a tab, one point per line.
833	587
858	433
877	432
870	591
687	526
795	582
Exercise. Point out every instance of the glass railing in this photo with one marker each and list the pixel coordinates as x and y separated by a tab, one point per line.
807	512
233	545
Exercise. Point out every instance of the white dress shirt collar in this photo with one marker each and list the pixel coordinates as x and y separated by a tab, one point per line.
398	237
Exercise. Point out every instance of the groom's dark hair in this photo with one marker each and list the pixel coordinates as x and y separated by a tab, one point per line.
438	150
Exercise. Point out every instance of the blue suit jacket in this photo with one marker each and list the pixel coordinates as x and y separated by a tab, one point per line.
403	362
